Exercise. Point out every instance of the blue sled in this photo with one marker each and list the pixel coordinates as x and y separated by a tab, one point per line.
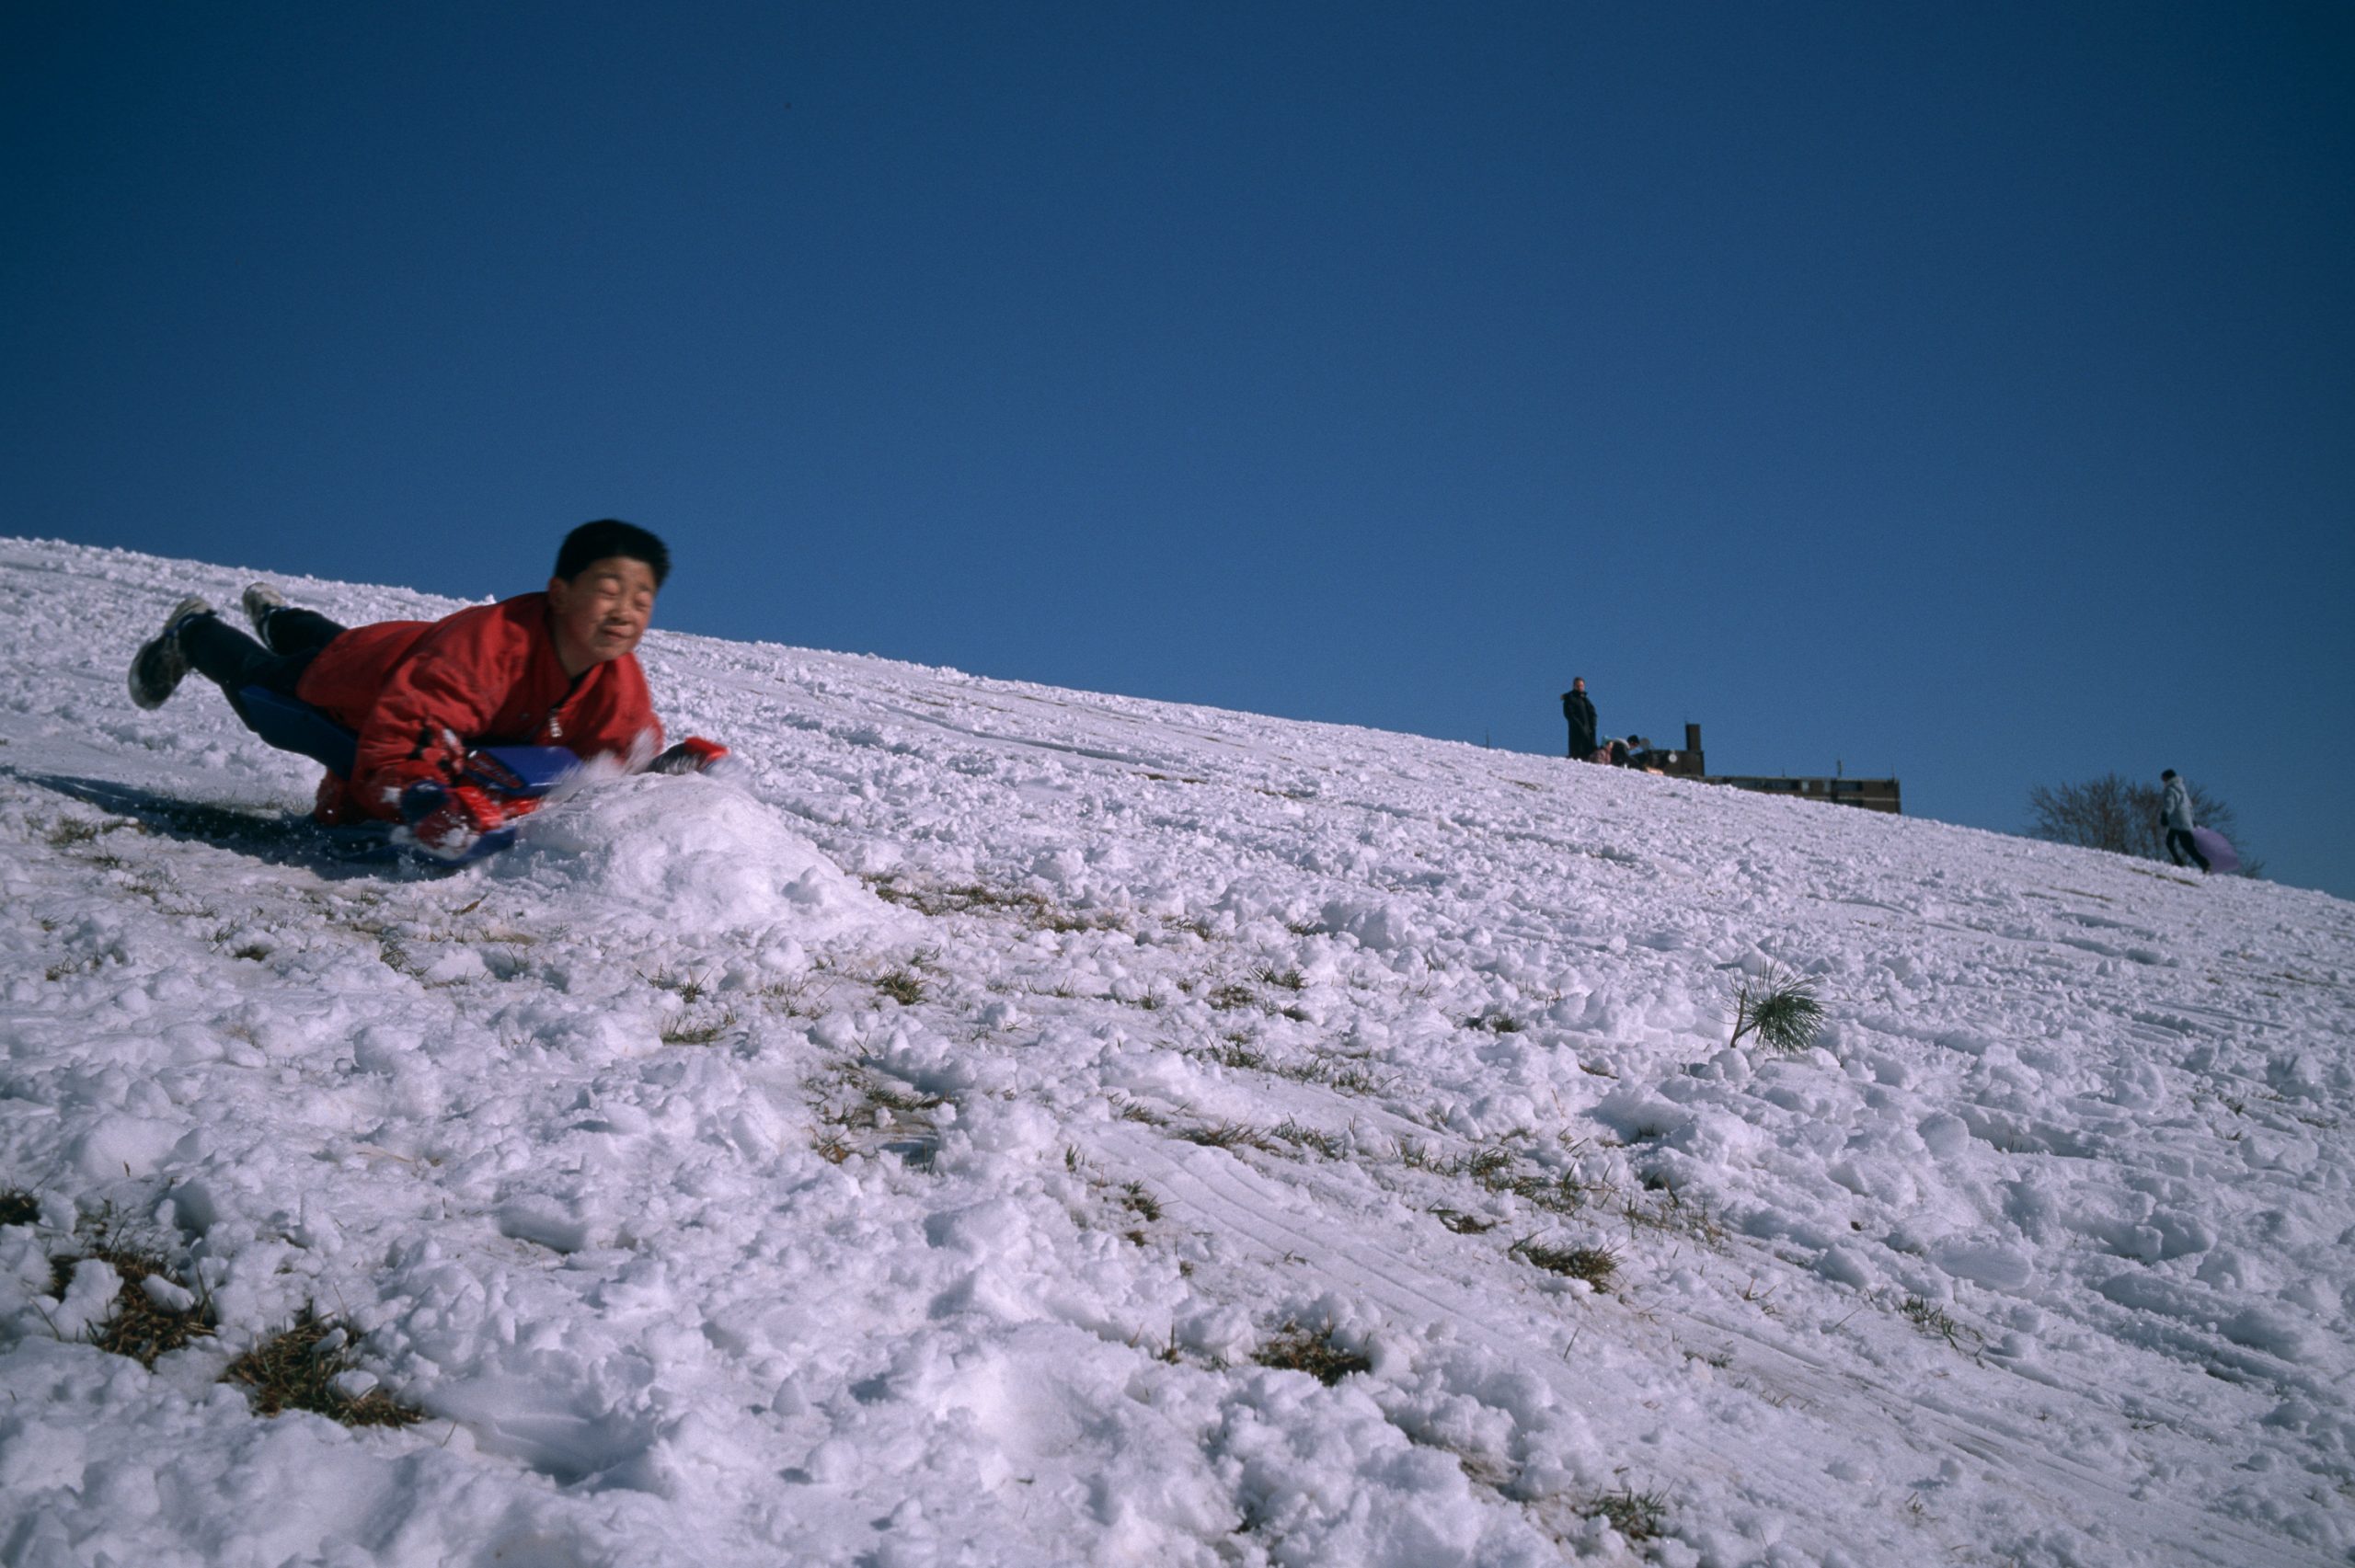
508	772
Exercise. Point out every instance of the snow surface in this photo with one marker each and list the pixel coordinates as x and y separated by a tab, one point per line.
898	1157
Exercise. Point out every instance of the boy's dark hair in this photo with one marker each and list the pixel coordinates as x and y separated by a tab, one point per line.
593	542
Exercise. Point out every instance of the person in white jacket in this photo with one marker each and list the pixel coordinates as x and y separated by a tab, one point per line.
2175	816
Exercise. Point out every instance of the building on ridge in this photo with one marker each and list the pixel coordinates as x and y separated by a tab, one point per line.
1872	794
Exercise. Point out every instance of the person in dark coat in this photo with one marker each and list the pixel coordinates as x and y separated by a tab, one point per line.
1579	708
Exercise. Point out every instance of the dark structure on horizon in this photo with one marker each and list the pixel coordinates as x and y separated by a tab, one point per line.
1872	794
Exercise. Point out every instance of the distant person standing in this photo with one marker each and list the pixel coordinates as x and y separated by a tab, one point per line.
1579	708
2175	816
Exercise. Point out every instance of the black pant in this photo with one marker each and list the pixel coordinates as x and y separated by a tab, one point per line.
2179	843
233	662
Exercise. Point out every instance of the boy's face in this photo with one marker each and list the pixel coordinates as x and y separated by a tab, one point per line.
601	613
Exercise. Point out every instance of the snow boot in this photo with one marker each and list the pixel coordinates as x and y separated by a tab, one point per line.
260	599
155	673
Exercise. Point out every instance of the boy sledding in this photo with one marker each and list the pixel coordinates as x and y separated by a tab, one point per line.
409	716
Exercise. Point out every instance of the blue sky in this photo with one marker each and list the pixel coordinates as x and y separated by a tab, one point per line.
1966	392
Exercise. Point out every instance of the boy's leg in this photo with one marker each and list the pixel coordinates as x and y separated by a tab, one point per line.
294	632
233	662
282	627
196	638
158	667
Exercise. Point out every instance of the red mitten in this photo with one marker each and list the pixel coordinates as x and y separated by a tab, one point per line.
692	755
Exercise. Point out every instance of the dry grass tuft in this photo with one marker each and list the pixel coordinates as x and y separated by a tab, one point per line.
296	1368
683	1031
689	986
1463	1224
1296	1349
149	1320
1636	1516
1138	1199
1231	1135
1039	911
1595	1264
903	986
1931	1318
1331	1145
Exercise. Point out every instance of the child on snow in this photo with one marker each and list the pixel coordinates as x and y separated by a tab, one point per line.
556	668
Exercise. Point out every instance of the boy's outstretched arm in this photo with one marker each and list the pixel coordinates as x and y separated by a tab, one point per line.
436	707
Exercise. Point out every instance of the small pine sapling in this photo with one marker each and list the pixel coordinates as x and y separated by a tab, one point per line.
1780	1008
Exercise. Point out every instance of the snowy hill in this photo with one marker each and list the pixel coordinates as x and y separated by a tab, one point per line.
1019	1127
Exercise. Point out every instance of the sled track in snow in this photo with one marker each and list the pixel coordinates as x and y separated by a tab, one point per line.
1219	1193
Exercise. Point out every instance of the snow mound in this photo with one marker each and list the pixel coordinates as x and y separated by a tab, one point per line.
692	854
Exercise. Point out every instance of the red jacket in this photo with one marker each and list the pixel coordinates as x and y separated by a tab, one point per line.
422	693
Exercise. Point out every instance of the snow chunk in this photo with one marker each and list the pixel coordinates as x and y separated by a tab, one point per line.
1991	1263
167	1293
2270	1329
1380	925
554	1418
1844	1266
90	1298
35	1456
535	1217
1945	1135
118	1146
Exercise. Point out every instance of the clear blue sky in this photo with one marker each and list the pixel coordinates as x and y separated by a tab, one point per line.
1961	392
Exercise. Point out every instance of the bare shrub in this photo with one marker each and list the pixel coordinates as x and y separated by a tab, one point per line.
2118	814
